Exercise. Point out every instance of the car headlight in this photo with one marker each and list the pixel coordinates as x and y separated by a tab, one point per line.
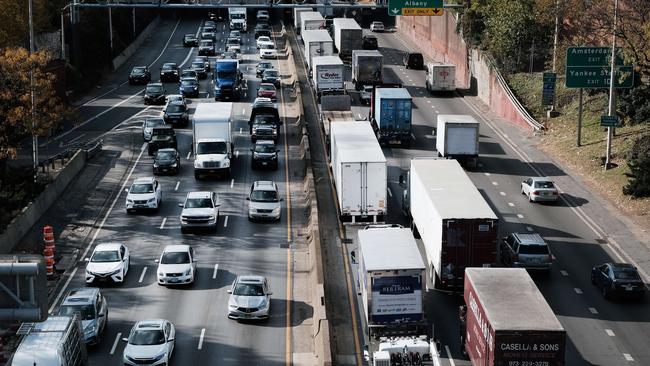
174	165
151	200
159	357
187	272
212	217
197	164
226	164
161	274
155	165
256	155
231	306
129	201
276	210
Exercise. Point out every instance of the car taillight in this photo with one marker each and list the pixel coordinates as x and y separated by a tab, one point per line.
555	193
535	193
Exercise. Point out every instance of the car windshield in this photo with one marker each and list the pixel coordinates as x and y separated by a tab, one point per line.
190	36
544	185
139	70
198	64
267	87
265	119
198	203
248	289
86	312
188	73
264	39
154	122
105	256
626	274
175	258
267	46
217	147
206	43
147	337
167	67
264	196
165	155
232	41
264	65
163	132
188	82
264	148
175	108
154	89
271	73
533	249
141	188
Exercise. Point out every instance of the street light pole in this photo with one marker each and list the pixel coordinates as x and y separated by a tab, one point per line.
32	96
611	111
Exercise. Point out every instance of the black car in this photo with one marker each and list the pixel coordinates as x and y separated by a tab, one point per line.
413	60
139	75
265	155
261	67
162	137
369	42
618	280
189	73
271	76
199	67
176	114
166	161
169	72
206	48
189	87
205	61
154	93
190	40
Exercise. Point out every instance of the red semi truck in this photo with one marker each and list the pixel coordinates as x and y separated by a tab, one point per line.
507	322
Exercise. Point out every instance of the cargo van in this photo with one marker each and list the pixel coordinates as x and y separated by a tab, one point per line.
58	341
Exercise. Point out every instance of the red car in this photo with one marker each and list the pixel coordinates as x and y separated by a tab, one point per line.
267	90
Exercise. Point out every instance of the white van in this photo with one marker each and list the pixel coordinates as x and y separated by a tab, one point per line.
58	341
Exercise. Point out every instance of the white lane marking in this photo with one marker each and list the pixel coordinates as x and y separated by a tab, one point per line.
511	204
610	332
502	193
520	216
216	269
75	139
189	153
201	338
177	184
166	44
232	182
225	221
240	129
390	193
413	136
628	357
593	310
117	340
487	174
495	183
578	291
101	225
428	101
144	271
162	225
529	228
449	358
564	273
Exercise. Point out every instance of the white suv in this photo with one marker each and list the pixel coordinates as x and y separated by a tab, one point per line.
200	210
177	265
265	201
109	262
145	194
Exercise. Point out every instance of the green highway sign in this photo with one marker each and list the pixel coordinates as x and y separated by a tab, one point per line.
609	121
598	77
415	7
592	56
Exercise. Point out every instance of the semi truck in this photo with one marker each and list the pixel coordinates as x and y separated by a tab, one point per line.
311	20
334	109
327	75
348	36
457	138
297	12
317	43
440	77
507	321
238	19
229	82
359	170
212	142
58	341
457	226
367	68
390	114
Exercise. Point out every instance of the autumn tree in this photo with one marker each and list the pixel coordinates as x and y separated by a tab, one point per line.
16	119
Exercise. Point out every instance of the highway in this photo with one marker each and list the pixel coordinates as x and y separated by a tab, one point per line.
204	333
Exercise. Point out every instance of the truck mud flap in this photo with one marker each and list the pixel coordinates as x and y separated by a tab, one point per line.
362	220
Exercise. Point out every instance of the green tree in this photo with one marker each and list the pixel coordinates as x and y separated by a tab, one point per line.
639	162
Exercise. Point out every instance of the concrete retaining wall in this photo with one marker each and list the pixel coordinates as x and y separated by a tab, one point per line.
35	210
130	50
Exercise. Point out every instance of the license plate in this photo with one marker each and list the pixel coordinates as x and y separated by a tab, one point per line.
629	288
164	170
213	171
394	142
173	280
264	163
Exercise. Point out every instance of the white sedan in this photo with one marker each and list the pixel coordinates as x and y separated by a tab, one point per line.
177	265
539	189
109	262
376	27
263	40
150	342
267	50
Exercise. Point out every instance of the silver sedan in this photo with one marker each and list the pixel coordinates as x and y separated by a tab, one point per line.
539	189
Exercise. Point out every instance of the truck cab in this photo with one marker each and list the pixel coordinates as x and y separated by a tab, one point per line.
228	80
212	139
264	122
237	17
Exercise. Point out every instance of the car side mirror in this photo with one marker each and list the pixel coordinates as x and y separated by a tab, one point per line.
157	260
171	339
229	290
101	315
353	257
125	339
277	150
248	198
86	259
270	293
281	199
180	205
217	205
251	149
126	190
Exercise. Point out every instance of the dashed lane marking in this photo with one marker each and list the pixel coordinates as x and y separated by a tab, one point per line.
511	204
502	193
225	221
144	271
117	340
628	357
610	332
520	216
201	338
216	269
390	193
593	310
449	358
232	182
564	273
495	183
189	153
177	185
162	225
578	291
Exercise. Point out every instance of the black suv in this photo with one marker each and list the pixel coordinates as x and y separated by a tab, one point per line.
261	67
166	161
265	155
176	114
154	93
139	75
162	137
413	60
369	42
264	122
190	40
169	72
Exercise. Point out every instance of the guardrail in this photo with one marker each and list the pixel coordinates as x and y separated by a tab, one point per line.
90	148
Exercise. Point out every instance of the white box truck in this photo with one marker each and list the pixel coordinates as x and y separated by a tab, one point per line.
348	36
58	341
457	226
457	138
297	12
212	142
317	43
311	20
359	168
391	279
327	75
238	19
440	77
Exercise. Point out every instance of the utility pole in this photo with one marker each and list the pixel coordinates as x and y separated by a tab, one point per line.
612	95
32	96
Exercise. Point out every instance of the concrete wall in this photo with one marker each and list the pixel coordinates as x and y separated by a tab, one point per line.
130	50
35	210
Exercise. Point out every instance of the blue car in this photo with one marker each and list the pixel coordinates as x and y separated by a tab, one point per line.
189	87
